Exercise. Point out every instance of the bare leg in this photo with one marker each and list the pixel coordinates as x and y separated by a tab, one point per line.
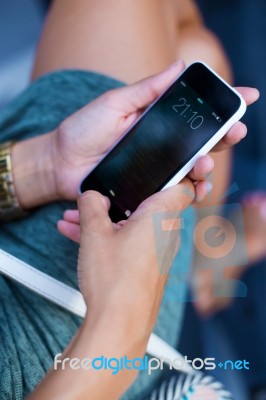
129	40
196	42
125	39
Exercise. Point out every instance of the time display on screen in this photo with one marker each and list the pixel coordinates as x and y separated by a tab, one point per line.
184	109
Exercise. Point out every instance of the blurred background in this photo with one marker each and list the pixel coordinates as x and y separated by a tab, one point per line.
239	331
20	26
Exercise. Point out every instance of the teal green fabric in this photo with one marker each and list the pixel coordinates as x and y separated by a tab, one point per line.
33	330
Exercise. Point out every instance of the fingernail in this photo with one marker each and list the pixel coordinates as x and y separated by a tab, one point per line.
244	133
209	187
199	199
257	96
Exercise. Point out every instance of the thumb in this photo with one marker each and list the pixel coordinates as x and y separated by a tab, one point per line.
93	210
174	199
143	93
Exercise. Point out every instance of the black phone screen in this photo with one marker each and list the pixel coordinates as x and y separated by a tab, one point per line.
184	119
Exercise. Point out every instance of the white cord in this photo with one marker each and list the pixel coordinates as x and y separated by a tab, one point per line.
178	388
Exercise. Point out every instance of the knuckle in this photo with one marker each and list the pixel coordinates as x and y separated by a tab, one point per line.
154	204
163	206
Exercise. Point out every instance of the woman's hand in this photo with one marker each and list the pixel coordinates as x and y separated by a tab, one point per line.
85	137
122	282
51	167
118	267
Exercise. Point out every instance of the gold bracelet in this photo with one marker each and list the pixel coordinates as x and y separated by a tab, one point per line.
9	205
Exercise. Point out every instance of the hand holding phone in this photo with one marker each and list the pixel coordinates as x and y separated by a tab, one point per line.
163	145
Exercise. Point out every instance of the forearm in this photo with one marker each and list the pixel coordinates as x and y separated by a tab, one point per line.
95	339
33	172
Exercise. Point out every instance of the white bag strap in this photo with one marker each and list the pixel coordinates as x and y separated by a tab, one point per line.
72	300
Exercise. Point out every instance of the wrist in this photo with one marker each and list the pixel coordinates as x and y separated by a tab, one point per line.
33	171
121	337
68	169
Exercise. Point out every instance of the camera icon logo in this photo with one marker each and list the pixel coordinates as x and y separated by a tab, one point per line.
219	241
215	237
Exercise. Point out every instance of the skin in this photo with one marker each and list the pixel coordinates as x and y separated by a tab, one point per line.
110	290
121	107
138	39
131	40
54	164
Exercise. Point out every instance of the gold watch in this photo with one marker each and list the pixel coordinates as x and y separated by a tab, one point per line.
9	205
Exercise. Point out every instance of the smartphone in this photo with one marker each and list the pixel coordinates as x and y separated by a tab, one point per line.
162	146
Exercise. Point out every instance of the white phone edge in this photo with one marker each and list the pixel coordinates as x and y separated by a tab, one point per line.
215	139
206	148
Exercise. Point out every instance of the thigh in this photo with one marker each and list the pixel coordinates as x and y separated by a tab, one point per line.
125	39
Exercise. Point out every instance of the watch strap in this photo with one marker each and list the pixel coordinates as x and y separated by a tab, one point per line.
9	204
